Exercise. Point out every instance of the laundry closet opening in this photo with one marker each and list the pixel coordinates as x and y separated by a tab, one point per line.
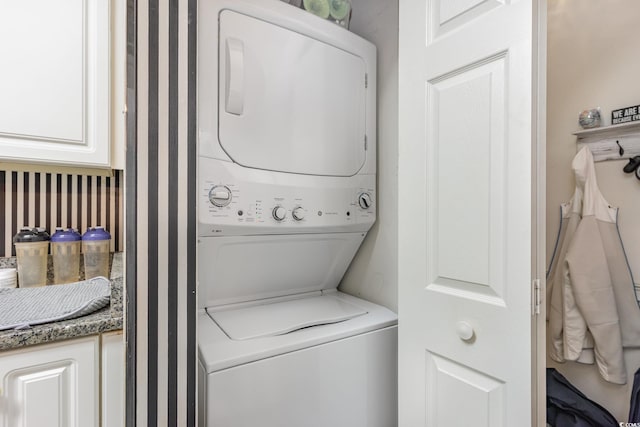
287	193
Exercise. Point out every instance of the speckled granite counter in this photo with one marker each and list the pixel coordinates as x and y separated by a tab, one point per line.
104	320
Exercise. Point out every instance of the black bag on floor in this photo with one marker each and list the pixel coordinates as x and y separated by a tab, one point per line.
568	407
634	409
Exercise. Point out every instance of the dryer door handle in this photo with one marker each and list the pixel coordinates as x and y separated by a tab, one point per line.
234	76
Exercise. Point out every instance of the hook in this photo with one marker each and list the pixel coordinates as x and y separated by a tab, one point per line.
621	150
632	166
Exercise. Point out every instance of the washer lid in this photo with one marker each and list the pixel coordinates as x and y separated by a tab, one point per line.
283	317
288	102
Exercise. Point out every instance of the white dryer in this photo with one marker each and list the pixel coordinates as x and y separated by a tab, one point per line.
287	193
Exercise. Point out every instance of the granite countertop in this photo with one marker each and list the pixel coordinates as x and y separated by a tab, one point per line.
104	320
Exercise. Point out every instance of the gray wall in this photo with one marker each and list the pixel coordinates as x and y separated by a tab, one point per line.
373	273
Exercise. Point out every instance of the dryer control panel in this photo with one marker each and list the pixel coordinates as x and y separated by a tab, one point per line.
234	200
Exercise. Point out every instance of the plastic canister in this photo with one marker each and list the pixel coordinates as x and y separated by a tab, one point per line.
95	247
32	248
65	249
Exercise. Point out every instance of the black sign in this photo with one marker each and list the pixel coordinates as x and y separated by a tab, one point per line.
625	115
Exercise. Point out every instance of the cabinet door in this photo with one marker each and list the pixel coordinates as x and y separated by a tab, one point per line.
55	103
113	372
54	385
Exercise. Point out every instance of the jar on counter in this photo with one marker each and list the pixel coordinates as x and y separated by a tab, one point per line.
96	243
65	249
32	248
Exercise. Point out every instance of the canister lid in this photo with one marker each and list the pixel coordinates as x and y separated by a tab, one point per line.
96	233
68	235
28	235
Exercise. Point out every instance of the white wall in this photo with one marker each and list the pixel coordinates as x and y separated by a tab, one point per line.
373	273
593	60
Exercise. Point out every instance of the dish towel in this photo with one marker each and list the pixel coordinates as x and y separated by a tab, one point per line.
24	307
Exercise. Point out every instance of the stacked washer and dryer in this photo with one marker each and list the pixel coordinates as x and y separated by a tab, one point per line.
287	193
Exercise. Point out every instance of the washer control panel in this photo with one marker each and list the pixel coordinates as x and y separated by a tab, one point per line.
238	201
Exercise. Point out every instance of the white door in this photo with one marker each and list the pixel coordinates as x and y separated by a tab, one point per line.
292	104
467	212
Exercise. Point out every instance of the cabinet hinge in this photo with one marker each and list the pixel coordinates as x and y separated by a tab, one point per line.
365	143
536	299
366	80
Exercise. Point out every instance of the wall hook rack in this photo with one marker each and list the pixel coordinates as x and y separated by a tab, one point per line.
611	142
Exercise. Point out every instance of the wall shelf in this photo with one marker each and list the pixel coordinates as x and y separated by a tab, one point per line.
602	141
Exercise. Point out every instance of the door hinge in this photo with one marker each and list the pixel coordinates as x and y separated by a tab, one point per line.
366	80
536	298
365	143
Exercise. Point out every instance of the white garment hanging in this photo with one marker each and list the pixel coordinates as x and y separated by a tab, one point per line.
590	291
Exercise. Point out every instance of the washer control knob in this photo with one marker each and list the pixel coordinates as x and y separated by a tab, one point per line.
364	200
279	213
298	213
220	195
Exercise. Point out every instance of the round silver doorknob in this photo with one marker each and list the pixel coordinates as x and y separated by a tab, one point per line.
465	331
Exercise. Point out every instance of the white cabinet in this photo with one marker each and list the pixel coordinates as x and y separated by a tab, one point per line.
54	385
113	374
62	81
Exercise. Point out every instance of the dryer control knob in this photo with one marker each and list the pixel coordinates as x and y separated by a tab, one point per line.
364	200
279	213
298	213
220	195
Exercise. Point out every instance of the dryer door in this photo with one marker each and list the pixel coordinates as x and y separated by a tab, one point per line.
288	102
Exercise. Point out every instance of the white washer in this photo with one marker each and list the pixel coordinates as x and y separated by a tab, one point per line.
287	193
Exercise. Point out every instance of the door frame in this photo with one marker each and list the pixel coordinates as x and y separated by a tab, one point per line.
130	214
539	203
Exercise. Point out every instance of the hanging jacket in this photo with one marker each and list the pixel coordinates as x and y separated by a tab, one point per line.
593	311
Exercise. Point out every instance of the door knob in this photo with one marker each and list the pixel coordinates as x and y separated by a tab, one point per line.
465	331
